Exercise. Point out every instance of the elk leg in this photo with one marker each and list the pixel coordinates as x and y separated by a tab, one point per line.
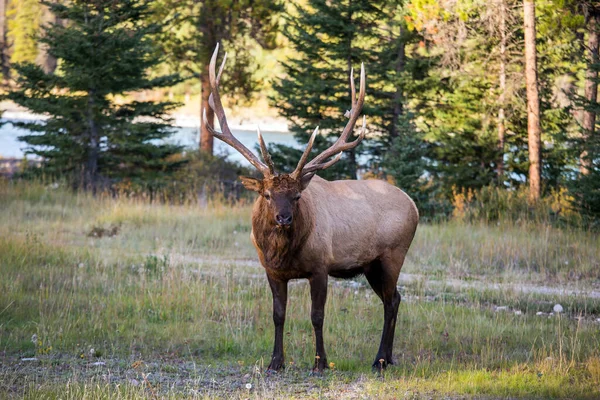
383	283
279	291
318	294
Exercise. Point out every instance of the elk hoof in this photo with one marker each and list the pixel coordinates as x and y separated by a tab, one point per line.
320	366
275	366
382	363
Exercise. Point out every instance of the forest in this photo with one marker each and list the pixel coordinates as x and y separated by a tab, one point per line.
468	102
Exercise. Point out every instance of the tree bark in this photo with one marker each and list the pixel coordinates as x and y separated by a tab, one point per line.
206	139
502	88
533	103
45	60
591	86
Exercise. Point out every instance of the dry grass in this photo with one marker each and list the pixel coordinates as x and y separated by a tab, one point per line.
175	306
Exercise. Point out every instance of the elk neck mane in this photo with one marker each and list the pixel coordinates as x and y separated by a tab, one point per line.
280	246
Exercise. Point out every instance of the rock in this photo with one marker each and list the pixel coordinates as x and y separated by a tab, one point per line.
518	312
558	308
501	308
539	313
98	363
29	359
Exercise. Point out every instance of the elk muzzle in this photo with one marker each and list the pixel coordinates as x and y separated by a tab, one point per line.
284	219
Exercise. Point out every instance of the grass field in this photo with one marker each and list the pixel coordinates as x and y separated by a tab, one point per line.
123	299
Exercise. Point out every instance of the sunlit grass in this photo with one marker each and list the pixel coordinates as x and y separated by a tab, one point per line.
178	288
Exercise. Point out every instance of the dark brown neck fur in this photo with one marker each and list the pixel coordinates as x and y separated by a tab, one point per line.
278	245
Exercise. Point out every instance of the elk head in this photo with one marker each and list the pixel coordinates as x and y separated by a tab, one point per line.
282	192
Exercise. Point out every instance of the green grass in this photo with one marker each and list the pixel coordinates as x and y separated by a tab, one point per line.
176	306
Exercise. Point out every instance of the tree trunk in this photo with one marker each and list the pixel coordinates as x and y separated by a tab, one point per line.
591	86
206	139
45	60
4	43
533	103
502	88
400	62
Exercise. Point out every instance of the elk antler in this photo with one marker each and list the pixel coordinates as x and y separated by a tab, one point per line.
214	102
341	144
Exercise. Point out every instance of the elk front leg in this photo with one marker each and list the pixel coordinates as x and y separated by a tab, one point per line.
318	294
279	291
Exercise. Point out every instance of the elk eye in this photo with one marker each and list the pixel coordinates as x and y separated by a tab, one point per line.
267	196
297	197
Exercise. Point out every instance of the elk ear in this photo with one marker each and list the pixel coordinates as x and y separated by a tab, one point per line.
252	183
305	180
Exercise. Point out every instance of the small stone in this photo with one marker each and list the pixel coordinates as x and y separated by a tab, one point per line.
518	312
98	363
29	359
539	313
501	308
558	308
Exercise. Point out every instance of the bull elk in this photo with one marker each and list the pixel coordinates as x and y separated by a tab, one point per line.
304	227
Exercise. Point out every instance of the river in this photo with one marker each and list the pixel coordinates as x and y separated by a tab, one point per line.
11	147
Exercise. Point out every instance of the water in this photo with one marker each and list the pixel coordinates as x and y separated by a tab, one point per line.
11	147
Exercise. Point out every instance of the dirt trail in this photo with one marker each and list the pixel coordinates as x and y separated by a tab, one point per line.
407	278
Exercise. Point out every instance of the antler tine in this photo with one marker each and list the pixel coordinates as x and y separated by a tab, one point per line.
298	171
352	89
341	144
317	167
345	146
265	152
225	135
222	67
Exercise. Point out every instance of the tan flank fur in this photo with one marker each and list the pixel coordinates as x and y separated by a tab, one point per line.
304	227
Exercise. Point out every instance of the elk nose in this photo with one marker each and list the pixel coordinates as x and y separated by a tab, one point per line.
283	219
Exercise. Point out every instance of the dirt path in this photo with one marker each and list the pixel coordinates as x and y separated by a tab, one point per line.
407	278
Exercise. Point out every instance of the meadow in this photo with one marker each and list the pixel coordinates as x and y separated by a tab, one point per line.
121	298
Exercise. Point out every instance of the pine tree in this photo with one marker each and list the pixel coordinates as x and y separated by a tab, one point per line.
329	39
585	188
104	51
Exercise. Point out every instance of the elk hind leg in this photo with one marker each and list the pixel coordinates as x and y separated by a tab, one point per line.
382	275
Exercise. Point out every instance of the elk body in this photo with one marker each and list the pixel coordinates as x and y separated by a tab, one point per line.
304	227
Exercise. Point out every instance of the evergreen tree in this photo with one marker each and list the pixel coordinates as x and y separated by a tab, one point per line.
585	188
406	161
104	51
330	38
